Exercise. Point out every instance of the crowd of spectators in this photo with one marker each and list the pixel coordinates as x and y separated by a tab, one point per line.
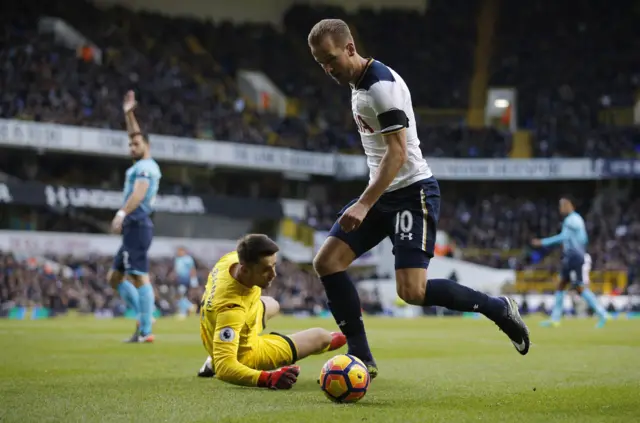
573	74
189	91
185	94
61	283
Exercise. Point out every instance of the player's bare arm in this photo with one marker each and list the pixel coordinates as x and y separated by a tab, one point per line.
393	160
139	191
129	106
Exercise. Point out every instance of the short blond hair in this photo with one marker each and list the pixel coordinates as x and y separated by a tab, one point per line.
337	29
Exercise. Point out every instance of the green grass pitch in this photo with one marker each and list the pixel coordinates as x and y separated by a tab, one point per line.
431	370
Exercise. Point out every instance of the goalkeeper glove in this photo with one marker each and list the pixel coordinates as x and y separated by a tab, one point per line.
283	378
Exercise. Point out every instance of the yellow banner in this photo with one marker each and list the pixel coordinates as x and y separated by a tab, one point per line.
601	282
297	231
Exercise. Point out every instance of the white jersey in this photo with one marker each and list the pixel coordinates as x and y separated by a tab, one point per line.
381	104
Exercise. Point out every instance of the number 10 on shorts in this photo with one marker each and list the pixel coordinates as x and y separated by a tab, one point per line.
404	225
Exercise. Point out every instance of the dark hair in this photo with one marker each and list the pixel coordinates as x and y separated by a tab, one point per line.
335	28
570	198
251	248
142	134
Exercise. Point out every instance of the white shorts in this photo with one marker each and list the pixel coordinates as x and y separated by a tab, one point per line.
586	271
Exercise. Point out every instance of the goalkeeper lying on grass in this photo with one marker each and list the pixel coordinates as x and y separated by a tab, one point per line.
233	314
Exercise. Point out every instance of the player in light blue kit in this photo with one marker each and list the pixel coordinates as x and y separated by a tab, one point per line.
185	268
134	222
574	241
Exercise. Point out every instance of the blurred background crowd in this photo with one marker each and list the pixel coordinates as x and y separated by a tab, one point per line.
559	57
577	81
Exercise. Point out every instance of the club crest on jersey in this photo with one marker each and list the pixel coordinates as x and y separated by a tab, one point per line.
227	334
362	125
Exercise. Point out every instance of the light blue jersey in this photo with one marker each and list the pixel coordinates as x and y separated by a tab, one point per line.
183	265
576	265
143	169
573	236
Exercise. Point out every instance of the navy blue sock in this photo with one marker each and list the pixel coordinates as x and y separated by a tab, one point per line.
452	295
344	304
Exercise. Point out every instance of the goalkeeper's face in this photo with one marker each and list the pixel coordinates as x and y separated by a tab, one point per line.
263	272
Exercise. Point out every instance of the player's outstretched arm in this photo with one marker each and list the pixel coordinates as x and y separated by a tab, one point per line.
556	239
229	323
129	104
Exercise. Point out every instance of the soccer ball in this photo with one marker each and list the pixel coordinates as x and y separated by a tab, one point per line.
344	379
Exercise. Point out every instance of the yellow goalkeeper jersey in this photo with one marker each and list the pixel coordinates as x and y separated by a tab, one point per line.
231	318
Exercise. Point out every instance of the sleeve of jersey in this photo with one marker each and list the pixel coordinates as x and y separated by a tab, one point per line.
573	222
144	172
387	101
229	323
556	239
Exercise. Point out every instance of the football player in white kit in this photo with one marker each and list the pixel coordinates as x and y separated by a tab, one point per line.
401	201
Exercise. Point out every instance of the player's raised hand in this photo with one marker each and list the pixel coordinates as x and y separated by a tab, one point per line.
283	378
352	218
536	242
129	103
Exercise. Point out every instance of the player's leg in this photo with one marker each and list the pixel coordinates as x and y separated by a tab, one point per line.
310	341
414	234
558	306
125	288
184	305
271	309
275	350
317	341
137	240
339	250
581	285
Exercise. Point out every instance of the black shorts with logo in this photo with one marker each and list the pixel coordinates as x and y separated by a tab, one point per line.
408	216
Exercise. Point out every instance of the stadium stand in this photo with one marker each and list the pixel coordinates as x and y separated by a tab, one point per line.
574	95
23	282
189	94
577	79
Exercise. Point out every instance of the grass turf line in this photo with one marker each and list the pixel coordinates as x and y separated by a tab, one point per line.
431	370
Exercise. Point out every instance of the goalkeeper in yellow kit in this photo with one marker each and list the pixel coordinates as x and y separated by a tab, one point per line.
233	314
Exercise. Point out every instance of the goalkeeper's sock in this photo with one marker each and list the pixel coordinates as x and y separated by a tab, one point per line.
129	294
452	295
338	340
147	303
344	303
